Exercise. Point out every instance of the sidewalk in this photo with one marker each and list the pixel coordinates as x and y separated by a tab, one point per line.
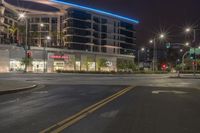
187	76
10	86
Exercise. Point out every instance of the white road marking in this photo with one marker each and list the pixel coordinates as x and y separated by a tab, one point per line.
40	92
110	114
168	91
11	101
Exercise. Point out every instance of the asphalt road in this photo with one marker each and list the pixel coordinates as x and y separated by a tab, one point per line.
32	111
157	104
141	111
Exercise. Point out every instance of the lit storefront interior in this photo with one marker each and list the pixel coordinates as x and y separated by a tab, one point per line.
16	65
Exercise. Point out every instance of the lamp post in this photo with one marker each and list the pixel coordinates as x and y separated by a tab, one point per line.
142	49
153	41
187	44
183	59
41	26
22	16
188	30
48	38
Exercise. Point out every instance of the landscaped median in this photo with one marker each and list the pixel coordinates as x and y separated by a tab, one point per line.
10	86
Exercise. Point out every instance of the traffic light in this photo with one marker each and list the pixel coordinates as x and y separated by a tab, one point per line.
28	54
164	67
193	63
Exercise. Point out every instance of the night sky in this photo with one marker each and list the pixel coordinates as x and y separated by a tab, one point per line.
155	16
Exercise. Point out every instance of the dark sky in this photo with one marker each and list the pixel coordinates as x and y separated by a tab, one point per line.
154	15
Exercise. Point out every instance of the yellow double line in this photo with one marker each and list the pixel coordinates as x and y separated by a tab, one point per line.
60	126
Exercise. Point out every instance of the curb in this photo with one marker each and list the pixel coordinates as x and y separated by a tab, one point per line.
176	77
18	90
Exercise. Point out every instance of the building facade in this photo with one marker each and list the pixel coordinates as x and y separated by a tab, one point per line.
80	38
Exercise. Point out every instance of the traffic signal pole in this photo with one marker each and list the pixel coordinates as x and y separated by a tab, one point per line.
183	60
195	60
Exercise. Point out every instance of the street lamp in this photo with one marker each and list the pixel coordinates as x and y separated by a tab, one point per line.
142	50
150	41
48	38
181	50
162	35
187	30
41	26
187	44
22	16
153	41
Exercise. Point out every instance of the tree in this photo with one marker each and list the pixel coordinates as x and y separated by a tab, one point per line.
179	67
86	61
124	64
101	63
12	31
26	61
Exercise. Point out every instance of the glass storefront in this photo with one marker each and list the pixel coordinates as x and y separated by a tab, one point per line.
38	66
59	65
16	65
78	65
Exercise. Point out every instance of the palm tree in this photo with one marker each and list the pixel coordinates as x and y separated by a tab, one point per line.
12	30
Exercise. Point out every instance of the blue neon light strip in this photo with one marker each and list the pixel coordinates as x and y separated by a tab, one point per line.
96	10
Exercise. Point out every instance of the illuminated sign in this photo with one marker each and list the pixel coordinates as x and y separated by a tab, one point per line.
65	57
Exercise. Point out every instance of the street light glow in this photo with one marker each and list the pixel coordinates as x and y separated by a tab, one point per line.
22	15
41	25
187	44
187	30
181	50
142	49
162	36
151	41
48	38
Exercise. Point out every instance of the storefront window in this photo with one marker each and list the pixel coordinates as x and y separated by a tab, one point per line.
16	65
59	65
91	66
78	65
38	66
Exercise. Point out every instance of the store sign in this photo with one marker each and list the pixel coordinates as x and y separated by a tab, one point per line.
65	57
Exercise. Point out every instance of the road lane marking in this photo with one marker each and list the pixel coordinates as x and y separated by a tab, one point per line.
60	126
11	101
40	92
168	91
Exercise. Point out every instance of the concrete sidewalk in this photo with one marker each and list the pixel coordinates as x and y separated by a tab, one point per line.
186	76
10	86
